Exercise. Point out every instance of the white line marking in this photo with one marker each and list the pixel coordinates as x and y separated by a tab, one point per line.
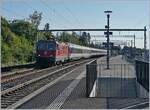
35	93
59	101
130	107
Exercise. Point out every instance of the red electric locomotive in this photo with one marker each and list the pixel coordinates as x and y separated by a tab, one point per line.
51	52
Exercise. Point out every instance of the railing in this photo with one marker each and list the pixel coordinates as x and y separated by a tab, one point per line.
119	81
91	76
142	73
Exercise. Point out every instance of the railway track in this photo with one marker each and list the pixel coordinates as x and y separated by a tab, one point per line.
14	94
10	81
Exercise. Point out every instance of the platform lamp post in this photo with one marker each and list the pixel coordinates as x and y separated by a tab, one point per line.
107	33
145	54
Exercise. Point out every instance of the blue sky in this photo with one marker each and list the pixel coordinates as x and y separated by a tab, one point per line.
83	13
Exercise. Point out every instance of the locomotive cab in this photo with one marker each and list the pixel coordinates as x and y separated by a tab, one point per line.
49	53
45	52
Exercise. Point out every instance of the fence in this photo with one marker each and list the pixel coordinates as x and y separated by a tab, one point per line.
122	80
91	76
117	82
129	59
142	73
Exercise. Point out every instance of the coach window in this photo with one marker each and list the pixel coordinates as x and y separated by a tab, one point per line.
78	50
75	50
71	49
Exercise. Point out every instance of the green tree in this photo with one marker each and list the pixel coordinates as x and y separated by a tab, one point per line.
23	28
91	44
88	38
35	19
16	48
63	37
47	33
83	39
67	37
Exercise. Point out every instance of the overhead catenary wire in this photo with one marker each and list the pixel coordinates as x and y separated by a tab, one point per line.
139	22
27	4
56	12
52	10
13	12
50	20
73	15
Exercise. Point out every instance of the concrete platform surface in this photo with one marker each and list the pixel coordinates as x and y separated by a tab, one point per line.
54	97
44	99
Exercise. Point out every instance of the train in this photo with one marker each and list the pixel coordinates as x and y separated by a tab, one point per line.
52	52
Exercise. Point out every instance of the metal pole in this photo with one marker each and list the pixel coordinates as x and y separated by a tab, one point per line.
108	41
134	40
145	37
131	48
145	42
131	43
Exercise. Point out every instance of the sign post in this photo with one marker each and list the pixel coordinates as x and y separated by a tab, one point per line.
107	33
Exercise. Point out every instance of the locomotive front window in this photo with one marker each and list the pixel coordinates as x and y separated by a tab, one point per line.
51	46
41	46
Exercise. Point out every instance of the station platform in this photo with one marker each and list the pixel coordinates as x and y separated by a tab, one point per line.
117	81
114	91
70	93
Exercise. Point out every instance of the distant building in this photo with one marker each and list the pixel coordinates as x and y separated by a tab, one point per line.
135	53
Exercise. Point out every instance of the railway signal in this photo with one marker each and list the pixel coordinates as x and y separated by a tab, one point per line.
110	33
107	33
